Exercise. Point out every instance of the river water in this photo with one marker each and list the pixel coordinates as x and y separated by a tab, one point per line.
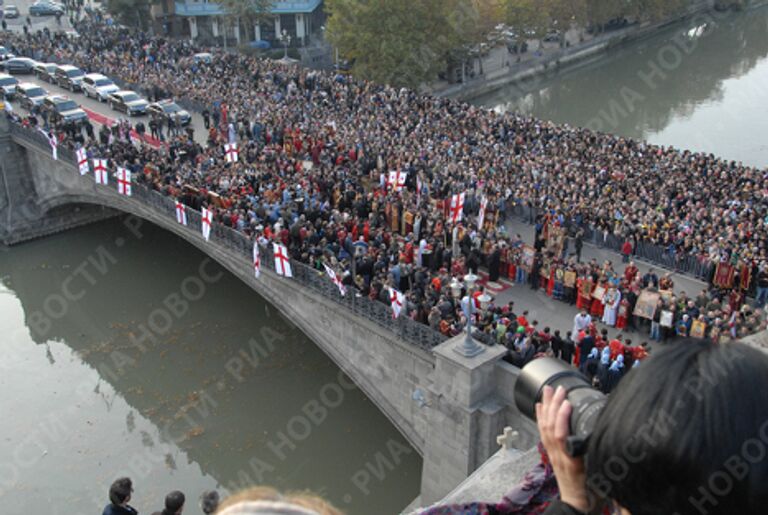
130	353
701	86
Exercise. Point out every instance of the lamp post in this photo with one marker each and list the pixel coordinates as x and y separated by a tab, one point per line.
285	38
469	347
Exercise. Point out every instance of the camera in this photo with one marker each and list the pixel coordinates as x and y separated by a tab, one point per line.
587	402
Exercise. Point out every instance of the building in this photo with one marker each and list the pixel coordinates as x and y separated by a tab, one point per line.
205	21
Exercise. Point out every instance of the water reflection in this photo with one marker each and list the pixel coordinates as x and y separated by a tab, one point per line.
700	86
217	396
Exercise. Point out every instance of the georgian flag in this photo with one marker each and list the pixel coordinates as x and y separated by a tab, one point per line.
256	260
124	182
100	171
419	187
397	180
82	161
181	213
397	300
52	142
481	214
206	223
282	261
335	279
457	207
230	152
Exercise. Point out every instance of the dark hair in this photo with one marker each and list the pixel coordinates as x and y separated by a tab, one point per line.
209	501
686	433
173	502
120	490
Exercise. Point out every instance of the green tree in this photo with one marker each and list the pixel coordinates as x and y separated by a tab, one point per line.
526	18
564	14
397	42
131	13
249	13
655	10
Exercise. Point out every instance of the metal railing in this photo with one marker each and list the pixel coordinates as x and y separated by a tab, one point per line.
407	329
700	268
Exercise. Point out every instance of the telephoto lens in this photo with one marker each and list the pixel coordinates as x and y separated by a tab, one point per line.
586	401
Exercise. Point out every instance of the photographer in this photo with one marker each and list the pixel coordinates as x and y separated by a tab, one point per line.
686	433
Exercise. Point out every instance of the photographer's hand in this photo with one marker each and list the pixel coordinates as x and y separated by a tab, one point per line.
552	416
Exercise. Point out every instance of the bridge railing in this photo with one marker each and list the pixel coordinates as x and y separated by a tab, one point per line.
405	328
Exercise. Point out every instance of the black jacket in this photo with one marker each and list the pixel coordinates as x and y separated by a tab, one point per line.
560	508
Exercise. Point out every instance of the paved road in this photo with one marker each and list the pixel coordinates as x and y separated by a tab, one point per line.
38	23
104	109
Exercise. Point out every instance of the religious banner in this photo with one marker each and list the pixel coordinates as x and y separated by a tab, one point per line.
666	295
745	276
724	275
698	329
646	304
666	318
526	261
569	279
586	288
599	293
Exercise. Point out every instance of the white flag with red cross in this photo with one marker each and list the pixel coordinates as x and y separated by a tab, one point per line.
397	300
396	180
335	279
181	213
457	207
256	260
100	171
230	152
124	182
206	223
481	214
282	261
82	161
53	142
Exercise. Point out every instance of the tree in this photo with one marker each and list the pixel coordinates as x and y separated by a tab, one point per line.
249	13
564	14
131	13
398	42
655	10
527	19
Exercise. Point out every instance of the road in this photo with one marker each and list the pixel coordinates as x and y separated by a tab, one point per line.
38	23
104	109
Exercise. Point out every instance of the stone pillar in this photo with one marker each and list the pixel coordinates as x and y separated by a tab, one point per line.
462	409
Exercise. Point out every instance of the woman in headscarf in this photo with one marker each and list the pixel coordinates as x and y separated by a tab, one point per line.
615	373
602	368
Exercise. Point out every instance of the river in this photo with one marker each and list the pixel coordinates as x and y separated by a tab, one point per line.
702	85
131	353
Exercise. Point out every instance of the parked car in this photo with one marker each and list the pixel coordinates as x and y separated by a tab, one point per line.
96	85
30	95
63	109
167	108
5	54
69	77
8	85
19	65
11	11
46	71
43	8
128	102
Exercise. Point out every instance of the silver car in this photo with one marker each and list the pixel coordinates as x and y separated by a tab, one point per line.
96	85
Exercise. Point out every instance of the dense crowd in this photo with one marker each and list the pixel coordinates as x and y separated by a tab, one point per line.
315	150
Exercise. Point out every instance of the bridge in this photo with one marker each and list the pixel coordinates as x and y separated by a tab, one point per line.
449	407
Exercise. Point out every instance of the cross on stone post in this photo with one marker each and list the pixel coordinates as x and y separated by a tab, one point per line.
507	438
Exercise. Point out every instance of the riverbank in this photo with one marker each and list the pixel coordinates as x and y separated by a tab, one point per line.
545	62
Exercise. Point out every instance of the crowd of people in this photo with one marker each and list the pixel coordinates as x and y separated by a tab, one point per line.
316	149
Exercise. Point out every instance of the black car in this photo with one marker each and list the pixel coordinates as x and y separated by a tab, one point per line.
166	109
46	71
128	102
45	9
69	77
19	65
63	109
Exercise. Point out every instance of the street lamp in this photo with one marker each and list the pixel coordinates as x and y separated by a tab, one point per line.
285	38
469	347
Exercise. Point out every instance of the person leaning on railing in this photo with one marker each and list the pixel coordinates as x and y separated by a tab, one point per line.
685	433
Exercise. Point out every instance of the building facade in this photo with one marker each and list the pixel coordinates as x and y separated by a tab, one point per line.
206	21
